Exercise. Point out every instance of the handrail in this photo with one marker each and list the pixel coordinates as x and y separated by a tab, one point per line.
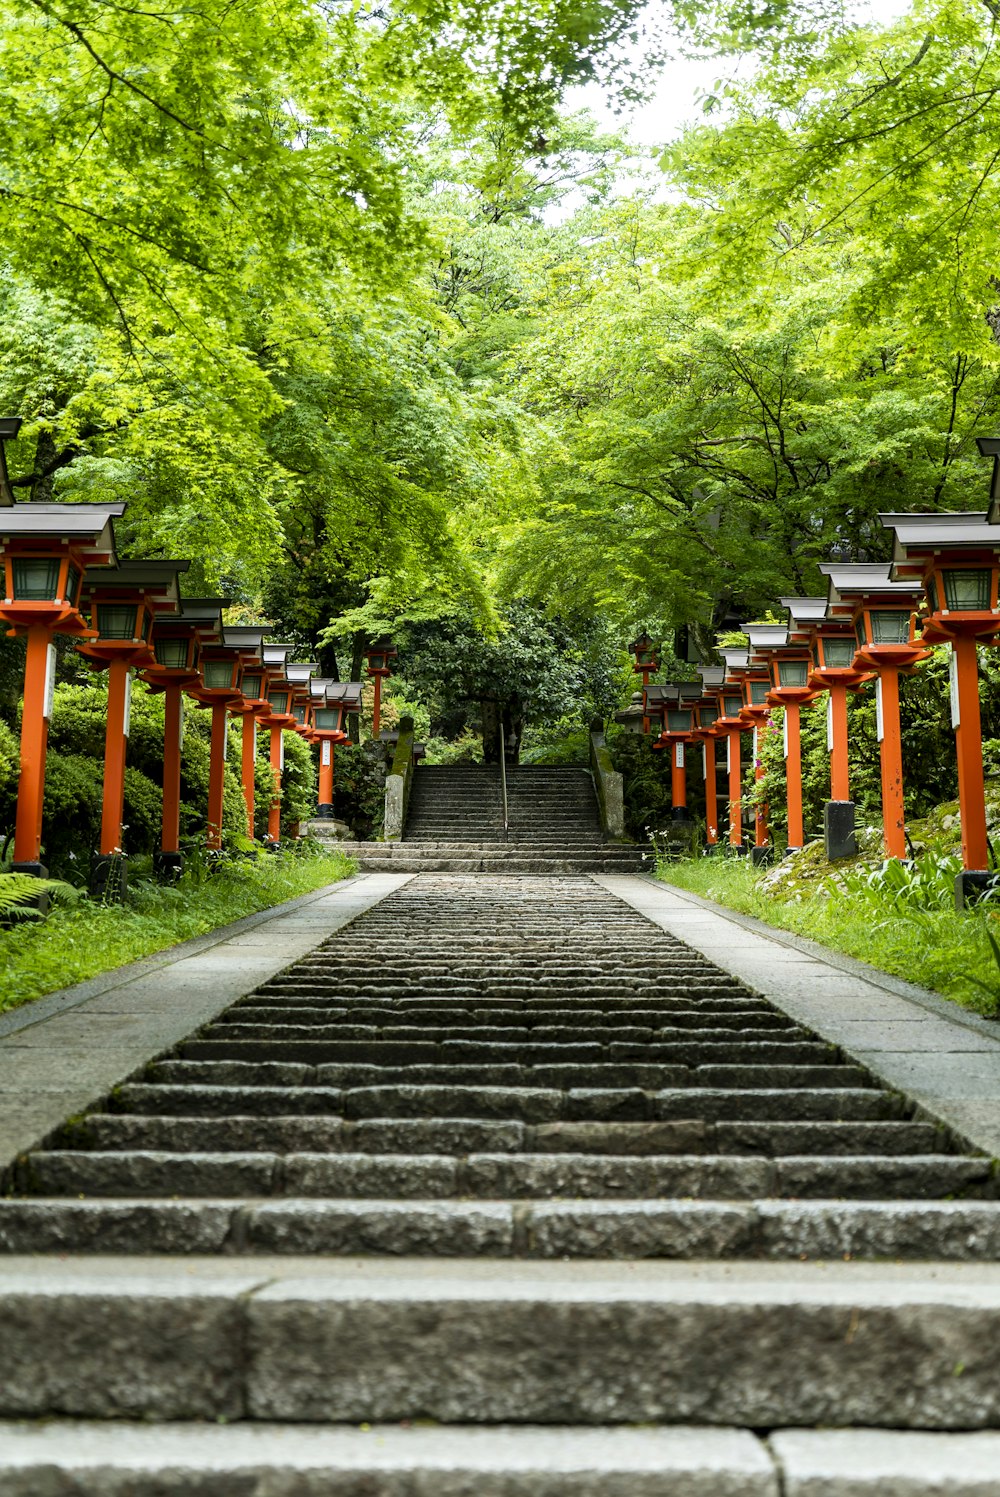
503	779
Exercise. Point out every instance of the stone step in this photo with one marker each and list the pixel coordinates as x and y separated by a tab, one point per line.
596	1074
106	1459
523	1102
547	1124
322	1031
479	1176
623	1229
348	1340
683	1052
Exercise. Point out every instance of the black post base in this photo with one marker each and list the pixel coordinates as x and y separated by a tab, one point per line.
41	900
736	849
838	830
271	846
789	850
324	813
712	849
168	866
762	857
109	877
679	813
971	885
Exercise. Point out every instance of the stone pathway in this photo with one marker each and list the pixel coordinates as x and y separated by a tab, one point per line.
507	1155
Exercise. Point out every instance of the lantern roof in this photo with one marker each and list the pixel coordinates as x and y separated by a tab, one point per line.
158	580
633	713
86	527
949	533
345	693
766	636
805	611
712	676
247	636
862	578
300	671
736	659
318	686
276	654
641	642
659	696
688	692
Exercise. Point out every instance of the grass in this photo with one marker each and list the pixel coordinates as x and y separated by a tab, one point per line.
952	954
81	938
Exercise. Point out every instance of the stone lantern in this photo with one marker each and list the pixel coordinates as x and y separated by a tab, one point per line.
45	550
884	616
124	603
378	655
956	559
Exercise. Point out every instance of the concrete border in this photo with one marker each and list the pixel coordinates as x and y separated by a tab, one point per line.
944	1059
66	1051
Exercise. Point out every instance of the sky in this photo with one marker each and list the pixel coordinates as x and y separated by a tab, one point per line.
675	100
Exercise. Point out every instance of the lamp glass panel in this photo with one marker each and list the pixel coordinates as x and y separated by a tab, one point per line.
376	661
860	637
36	579
706	716
967	590
74	582
890	626
217	674
678	721
792	672
327	719
172	653
932	593
117	620
733	705
758	692
278	702
838	654
253	685
299	713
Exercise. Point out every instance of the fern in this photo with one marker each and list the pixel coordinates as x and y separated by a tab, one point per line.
18	892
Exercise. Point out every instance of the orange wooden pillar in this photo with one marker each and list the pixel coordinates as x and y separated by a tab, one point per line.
735	789
840	784
793	776
678	782
325	801
173	730
377	708
891	758
969	749
217	775
277	750
115	748
248	767
760	833
39	677
711	794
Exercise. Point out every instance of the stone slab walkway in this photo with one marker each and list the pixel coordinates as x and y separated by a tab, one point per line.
946	1059
64	1052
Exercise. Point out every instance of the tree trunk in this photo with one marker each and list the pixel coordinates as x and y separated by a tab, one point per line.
489	709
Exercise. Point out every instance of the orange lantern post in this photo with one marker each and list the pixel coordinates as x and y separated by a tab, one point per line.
957	559
378	656
706	719
252	707
646	664
883	613
279	718
221	669
787	653
729	725
177	652
756	714
123	605
330	718
45	549
833	671
677	710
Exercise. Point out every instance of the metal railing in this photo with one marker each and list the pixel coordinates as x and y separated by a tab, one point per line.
503	780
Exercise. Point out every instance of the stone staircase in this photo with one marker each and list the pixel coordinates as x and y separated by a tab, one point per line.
497	1193
455	825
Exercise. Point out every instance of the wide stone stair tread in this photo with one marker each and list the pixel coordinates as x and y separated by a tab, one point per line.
307	1460
439	1173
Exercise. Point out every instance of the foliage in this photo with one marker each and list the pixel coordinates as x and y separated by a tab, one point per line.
950	953
646	776
81	939
18	893
359	788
